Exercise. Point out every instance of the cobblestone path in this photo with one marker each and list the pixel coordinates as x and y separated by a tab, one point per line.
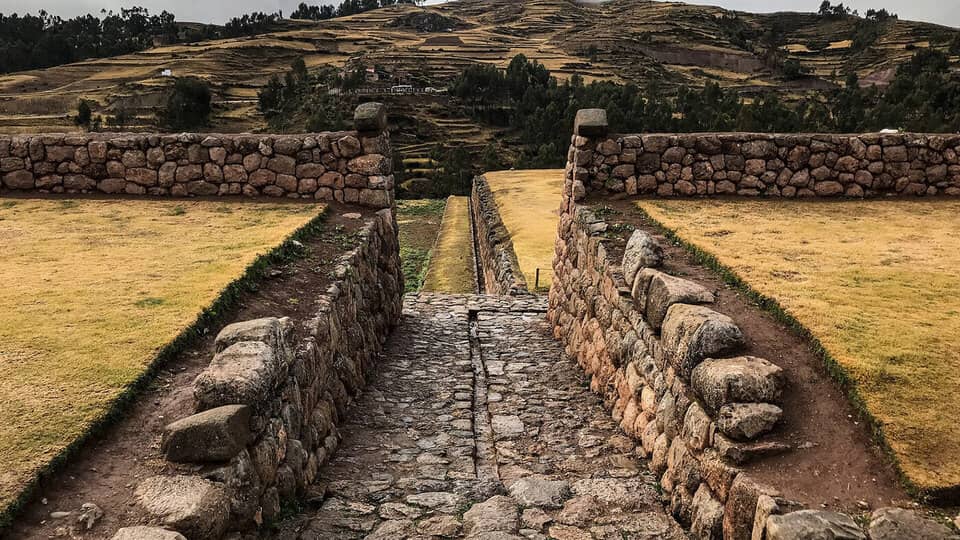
478	426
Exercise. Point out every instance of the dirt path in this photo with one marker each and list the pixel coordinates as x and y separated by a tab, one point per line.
478	426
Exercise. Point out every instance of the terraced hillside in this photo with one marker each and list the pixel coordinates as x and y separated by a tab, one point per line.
673	43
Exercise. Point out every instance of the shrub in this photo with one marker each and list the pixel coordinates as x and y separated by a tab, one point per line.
188	105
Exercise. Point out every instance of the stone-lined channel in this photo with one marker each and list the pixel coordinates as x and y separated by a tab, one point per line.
418	459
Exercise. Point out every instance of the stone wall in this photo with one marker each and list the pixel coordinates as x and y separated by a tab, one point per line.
758	164
269	404
352	167
500	270
668	367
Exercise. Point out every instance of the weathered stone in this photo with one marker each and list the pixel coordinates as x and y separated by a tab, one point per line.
496	514
141	532
540	491
902	524
743	379
243	373
193	506
214	435
370	165
655	292
707	522
691	334
591	123
269	330
21	179
741	507
642	251
747	421
813	525
370	117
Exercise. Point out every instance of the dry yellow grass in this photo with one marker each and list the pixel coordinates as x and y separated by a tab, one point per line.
92	290
529	202
451	264
877	283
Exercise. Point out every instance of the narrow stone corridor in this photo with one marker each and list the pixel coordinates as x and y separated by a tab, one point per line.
478	426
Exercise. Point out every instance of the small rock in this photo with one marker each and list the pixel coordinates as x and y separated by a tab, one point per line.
352	215
89	515
60	515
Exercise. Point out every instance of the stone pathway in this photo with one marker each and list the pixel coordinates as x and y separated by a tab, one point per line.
478	426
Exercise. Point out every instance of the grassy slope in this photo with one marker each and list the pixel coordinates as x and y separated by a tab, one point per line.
529	203
451	265
419	222
876	283
93	290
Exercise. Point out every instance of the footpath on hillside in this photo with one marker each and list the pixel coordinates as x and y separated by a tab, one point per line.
477	425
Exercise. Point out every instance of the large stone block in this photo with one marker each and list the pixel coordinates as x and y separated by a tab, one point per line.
707	522
370	117
214	435
191	505
642	252
591	123
243	373
744	379
813	525
691	334
654	292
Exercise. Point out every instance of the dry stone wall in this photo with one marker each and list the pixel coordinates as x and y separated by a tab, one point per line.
670	369
352	167
760	164
269	404
499	268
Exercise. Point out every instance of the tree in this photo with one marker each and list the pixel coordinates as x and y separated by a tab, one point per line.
84	114
188	105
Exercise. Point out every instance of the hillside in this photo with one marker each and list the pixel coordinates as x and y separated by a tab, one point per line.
637	41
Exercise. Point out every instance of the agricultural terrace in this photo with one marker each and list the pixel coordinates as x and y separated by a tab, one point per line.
93	290
452	269
876	283
418	221
529	203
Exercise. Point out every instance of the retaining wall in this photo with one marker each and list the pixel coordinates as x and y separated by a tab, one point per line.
268	405
759	164
499	268
665	362
351	166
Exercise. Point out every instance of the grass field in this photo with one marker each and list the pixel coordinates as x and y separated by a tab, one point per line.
419	222
876	282
529	203
451	265
92	291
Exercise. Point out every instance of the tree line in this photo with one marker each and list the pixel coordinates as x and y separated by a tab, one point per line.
539	109
347	7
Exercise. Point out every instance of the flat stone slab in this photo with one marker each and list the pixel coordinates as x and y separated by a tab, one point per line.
591	123
147	533
540	491
269	330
